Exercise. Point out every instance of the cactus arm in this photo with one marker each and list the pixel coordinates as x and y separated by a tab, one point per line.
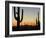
21	16
15	14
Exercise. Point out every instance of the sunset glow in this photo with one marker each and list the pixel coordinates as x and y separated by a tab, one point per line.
32	22
29	16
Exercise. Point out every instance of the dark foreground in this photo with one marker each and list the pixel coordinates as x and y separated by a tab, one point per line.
22	28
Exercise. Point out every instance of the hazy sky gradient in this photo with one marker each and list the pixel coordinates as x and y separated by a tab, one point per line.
30	13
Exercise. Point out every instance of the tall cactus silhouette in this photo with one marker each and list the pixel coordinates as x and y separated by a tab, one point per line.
18	16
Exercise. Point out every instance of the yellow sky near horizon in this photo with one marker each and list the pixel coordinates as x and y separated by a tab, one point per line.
28	22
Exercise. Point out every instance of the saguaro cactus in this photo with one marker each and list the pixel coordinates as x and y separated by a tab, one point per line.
18	16
38	19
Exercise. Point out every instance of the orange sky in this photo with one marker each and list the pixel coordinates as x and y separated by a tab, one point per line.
32	22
